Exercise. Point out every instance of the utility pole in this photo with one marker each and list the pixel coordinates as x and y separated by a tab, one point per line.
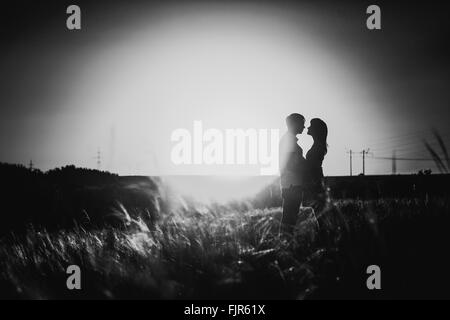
394	162
351	170
99	159
364	162
364	152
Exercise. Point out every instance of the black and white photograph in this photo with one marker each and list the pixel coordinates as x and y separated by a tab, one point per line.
224	150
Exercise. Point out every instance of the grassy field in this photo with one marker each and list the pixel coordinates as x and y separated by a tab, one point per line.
222	252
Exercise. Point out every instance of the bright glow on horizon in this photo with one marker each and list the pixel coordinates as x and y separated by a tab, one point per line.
217	189
235	68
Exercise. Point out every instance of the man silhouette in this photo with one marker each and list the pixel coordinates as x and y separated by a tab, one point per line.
292	164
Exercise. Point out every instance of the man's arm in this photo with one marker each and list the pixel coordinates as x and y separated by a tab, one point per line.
290	156
291	161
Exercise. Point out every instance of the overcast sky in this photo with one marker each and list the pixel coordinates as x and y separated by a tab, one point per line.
139	70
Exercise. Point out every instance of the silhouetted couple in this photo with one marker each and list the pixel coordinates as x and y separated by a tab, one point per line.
302	180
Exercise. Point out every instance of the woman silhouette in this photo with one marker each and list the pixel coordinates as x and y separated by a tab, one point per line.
315	193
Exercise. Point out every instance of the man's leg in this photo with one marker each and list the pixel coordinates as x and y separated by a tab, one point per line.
291	206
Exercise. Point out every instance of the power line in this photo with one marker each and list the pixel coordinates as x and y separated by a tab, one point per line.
406	137
401	159
409	143
399	136
398	145
397	140
406	152
400	142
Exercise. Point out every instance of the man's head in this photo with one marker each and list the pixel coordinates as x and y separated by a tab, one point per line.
295	123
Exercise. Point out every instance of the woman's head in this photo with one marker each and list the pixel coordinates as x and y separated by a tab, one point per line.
318	130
